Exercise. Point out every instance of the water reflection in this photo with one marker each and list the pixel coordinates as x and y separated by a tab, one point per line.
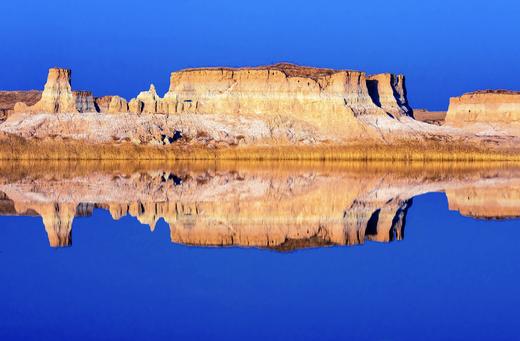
281	206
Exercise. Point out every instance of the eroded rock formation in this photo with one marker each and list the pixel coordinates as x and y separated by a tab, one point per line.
8	100
84	101
151	102
276	105
388	91
111	105
488	106
102	103
57	96
325	98
136	106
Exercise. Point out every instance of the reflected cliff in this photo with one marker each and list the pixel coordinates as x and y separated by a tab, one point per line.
280	206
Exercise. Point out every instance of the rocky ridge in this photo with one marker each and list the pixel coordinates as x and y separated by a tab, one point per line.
281	104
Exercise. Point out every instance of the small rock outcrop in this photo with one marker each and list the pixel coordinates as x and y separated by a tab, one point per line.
388	92
152	103
8	100
118	105
111	105
135	106
84	101
487	106
57	96
103	103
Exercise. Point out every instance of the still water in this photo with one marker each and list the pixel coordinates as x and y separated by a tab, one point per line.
259	251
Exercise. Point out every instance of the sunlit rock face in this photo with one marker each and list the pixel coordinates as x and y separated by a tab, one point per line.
111	105
267	106
388	91
152	103
323	97
57	96
488	106
282	209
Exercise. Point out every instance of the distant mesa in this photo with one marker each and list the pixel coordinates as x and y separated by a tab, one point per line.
486	106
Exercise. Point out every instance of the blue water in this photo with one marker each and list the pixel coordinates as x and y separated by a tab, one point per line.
451	278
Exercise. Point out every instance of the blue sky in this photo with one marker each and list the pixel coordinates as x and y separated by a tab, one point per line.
444	48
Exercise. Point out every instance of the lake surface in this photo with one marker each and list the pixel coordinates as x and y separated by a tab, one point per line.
275	251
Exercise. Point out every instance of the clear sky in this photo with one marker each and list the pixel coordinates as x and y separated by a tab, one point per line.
444	48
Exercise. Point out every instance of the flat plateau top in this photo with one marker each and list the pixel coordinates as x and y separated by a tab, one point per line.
498	92
290	70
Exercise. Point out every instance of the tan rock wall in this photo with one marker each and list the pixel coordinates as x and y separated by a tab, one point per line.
84	101
57	95
325	98
484	106
388	91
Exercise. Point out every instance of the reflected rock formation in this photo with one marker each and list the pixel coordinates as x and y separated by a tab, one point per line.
285	208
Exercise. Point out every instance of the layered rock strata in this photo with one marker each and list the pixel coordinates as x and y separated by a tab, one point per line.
487	106
388	91
84	101
281	104
327	99
57	95
151	102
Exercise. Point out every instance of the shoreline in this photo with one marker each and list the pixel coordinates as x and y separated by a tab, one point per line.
17	148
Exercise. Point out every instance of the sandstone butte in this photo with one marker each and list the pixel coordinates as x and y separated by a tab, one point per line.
487	106
269	106
281	208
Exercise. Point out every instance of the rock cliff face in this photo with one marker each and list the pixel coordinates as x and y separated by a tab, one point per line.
488	106
327	99
57	96
151	102
117	105
388	91
136	106
84	101
102	103
111	105
276	105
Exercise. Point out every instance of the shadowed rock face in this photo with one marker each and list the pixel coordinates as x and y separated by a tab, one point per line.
84	101
278	209
389	92
8	100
